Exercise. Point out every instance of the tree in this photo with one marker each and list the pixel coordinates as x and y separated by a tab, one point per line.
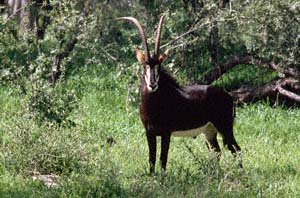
270	33
208	38
260	33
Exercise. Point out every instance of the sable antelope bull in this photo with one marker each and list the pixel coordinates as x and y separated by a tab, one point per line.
170	109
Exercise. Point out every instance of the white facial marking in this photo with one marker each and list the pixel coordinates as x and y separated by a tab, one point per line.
148	78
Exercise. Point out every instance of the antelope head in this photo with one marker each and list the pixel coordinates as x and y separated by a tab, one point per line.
151	65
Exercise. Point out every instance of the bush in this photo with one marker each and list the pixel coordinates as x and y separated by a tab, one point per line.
52	104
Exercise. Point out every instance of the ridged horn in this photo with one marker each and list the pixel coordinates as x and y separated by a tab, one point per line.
142	34
157	40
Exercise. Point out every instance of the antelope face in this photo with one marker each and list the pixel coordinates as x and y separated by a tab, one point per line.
151	77
151	69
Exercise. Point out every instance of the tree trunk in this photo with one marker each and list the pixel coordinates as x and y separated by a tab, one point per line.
42	19
213	44
2	8
27	13
271	89
58	58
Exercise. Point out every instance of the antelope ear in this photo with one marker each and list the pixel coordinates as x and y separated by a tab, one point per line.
163	56
139	56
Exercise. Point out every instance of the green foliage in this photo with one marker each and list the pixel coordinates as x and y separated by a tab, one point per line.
27	61
270	29
97	97
15	55
242	27
87	166
245	75
52	104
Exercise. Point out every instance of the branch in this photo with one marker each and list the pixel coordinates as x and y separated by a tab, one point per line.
15	13
218	71
289	94
191	30
108	54
195	28
248	93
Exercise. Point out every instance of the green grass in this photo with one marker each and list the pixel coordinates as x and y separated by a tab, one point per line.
88	167
245	75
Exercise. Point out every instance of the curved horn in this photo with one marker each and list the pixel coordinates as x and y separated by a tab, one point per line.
157	40
142	34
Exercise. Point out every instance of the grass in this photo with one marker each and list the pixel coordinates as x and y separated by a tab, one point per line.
245	75
88	167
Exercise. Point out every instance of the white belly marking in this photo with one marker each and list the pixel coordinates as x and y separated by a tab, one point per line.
206	129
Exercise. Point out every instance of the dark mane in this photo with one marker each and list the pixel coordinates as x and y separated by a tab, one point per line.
168	79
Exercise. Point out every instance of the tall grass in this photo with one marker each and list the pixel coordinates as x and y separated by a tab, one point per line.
89	167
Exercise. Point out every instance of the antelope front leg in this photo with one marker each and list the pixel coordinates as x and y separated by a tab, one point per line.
152	151
165	143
